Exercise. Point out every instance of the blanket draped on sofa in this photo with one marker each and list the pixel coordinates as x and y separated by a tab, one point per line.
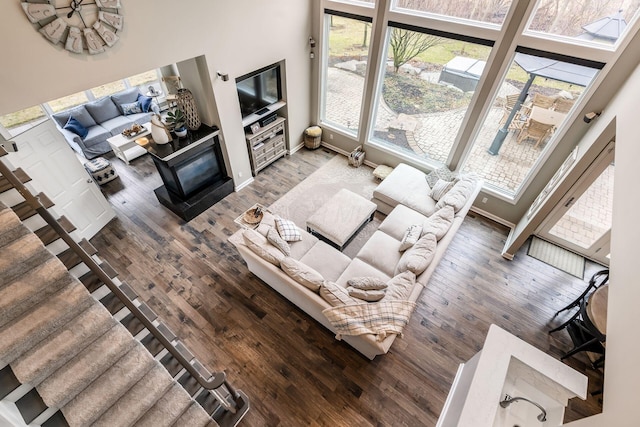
380	319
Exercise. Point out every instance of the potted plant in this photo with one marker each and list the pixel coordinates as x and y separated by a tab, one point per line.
176	122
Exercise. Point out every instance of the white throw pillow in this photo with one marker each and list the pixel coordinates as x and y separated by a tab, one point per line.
440	188
370	295
366	283
439	223
336	295
400	286
268	221
458	195
302	273
410	237
261	247
288	230
419	256
274	238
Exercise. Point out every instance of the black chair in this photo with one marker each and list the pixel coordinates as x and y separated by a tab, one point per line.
598	279
584	335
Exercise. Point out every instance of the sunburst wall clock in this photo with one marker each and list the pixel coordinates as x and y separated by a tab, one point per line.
81	26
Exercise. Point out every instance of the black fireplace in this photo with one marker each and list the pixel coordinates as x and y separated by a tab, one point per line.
193	171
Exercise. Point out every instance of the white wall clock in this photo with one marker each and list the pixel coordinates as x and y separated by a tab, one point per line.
79	25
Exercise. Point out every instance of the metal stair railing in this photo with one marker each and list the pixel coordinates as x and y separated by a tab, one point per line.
211	384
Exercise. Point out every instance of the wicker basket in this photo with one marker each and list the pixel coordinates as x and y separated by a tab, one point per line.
312	137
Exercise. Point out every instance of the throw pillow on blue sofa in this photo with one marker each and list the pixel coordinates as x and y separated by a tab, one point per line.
76	127
127	96
103	109
131	108
145	102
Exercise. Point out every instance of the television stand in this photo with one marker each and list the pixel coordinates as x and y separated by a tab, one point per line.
266	145
262	111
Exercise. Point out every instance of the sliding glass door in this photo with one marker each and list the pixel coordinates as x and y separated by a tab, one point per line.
582	221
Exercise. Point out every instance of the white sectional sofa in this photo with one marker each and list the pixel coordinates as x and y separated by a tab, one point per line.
405	196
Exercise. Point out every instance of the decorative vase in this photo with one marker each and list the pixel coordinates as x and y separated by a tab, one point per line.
187	104
159	131
181	132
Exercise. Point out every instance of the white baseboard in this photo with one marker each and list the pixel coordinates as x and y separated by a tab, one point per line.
296	148
492	217
345	153
243	184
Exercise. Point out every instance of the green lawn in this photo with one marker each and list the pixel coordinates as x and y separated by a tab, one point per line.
346	41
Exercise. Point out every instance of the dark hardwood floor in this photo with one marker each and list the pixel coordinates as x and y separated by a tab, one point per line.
292	368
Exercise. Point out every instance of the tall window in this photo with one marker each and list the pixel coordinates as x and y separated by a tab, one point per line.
67	102
600	21
345	65
20	121
146	78
428	84
489	11
108	89
533	102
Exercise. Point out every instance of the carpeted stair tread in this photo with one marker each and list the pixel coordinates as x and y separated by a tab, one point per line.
52	353
65	383
142	396
28	330
10	226
106	390
20	256
29	289
194	416
167	409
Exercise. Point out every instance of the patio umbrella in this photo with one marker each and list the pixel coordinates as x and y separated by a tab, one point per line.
537	66
608	28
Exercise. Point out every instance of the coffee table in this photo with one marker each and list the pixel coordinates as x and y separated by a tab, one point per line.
125	148
338	220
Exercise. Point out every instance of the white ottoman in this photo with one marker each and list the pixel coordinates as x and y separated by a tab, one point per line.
338	220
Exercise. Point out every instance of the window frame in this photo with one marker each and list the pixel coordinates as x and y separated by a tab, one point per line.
324	66
513	32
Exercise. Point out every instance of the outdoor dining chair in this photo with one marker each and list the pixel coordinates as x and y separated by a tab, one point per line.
536	131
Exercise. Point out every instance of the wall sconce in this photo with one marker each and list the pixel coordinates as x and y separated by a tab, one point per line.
223	76
312	42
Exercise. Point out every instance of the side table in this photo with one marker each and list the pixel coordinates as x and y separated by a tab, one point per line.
244	224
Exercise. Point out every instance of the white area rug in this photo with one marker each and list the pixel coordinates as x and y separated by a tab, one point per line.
305	198
557	257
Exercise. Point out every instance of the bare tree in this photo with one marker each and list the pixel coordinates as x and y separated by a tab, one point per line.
406	45
365	39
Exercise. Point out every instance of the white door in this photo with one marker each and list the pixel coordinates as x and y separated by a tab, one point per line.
45	156
582	220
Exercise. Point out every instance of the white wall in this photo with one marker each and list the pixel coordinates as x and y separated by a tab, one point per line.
235	37
622	371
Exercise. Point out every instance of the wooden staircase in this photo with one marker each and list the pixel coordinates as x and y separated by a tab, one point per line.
79	347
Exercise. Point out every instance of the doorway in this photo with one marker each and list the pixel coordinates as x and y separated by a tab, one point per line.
581	222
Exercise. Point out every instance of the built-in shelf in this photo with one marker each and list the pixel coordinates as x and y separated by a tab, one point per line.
252	118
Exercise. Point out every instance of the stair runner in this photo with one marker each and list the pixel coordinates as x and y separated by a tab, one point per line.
66	360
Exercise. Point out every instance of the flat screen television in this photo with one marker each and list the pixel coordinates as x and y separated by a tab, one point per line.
259	89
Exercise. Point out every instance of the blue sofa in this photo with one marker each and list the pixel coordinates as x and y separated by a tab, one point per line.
87	127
